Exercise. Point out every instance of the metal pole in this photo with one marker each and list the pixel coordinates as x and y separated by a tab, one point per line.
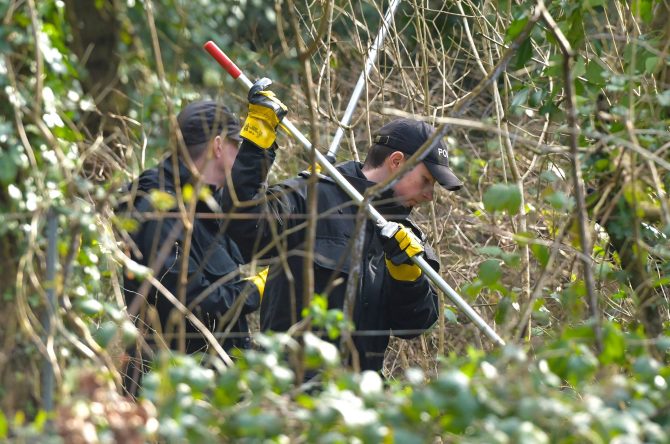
47	368
358	89
377	218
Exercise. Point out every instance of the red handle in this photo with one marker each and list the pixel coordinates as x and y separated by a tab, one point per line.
223	59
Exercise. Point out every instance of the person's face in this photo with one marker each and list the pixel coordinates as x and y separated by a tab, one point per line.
415	187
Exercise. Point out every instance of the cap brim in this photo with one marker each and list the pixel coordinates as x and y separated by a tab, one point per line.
444	176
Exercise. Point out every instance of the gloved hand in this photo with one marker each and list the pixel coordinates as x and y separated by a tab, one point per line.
265	113
259	280
400	244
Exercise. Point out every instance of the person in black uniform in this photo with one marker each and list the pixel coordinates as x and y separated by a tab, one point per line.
392	293
212	286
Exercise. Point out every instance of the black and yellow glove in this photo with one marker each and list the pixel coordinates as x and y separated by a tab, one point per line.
259	280
265	113
400	245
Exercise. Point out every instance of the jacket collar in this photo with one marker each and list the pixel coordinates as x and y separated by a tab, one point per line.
163	177
386	203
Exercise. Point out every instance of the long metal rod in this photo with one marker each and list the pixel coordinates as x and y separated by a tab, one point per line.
377	218
358	89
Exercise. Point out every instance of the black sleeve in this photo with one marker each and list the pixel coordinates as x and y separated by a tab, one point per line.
260	214
413	305
208	302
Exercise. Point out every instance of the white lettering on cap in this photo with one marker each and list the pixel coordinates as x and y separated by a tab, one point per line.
442	152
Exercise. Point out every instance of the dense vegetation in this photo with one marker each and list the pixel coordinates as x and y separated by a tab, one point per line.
557	119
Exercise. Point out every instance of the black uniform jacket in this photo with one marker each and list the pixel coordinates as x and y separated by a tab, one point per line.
213	284
382	304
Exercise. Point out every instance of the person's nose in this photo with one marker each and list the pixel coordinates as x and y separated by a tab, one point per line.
428	193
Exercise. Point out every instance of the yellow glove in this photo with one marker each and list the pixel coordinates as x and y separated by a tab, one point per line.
259	280
400	245
265	113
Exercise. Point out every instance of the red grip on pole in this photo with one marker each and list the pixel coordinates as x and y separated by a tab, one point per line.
223	59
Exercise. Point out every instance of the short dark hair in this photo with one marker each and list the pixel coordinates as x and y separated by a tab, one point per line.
377	154
197	150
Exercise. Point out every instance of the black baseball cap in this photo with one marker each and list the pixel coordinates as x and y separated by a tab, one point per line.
202	120
408	136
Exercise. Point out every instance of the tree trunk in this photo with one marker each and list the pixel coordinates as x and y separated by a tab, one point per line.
95	36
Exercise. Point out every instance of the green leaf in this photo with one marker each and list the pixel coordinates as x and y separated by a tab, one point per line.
502	197
664	98
595	73
490	272
535	99
450	316
8	167
662	344
604	270
473	289
650	64
490	250
519	98
576	32
614	344
541	253
511	259
560	201
581	365
643	9
89	306
502	309
646	367
104	335
515	28
660	282
524	53
128	332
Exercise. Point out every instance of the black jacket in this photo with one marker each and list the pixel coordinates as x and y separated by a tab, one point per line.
213	283
382	304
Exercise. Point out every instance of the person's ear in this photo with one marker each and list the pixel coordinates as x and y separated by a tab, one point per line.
395	160
217	147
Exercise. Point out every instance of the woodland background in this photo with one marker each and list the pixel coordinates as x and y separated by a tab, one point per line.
557	119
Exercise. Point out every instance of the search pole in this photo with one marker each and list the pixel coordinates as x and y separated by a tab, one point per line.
358	89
